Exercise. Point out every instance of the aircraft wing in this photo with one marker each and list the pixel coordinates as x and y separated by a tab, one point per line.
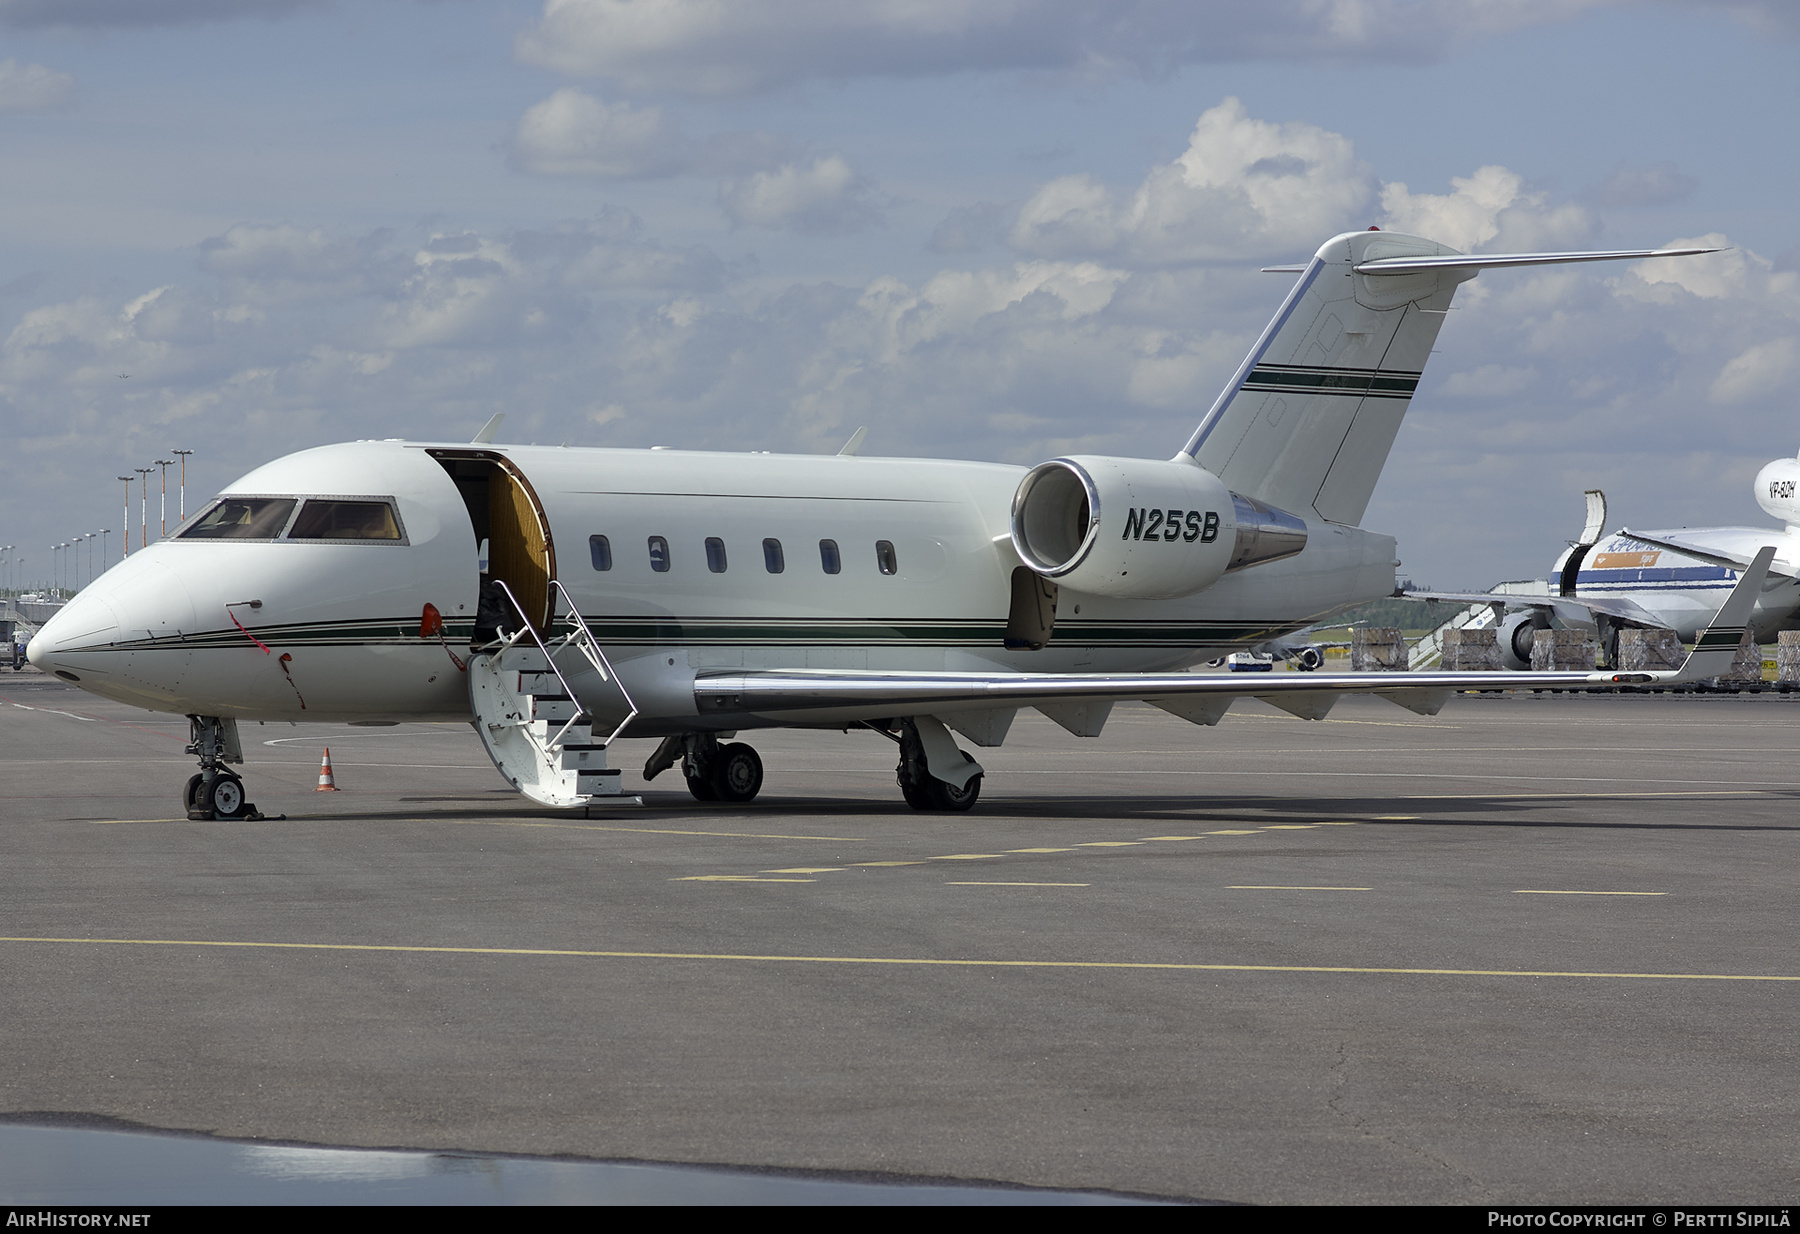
1611	606
826	695
1693	548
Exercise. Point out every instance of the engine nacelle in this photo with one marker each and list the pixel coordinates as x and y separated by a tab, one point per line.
1516	634
1141	528
1778	490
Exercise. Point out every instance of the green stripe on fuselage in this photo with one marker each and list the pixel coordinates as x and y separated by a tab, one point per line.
973	633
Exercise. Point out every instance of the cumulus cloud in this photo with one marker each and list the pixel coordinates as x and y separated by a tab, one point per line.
1759	372
32	87
734	46
571	133
825	198
1242	186
1492	205
36	14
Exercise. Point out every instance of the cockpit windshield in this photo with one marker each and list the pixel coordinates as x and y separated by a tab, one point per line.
345	520
242	518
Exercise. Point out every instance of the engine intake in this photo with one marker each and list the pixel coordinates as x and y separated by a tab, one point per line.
1142	528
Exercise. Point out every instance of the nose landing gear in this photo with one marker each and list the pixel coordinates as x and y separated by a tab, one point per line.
216	792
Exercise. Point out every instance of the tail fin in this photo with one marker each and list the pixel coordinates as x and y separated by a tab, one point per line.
1717	645
1308	419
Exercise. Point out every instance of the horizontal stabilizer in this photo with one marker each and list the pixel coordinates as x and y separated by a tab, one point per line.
1494	261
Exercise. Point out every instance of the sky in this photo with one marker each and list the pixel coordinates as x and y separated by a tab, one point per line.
990	229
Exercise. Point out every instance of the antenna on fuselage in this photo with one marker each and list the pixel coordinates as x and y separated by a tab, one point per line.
486	435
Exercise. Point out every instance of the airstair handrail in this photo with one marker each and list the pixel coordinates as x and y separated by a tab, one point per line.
597	657
568	691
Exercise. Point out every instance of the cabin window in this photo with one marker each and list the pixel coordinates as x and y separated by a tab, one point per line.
829	558
884	557
715	554
242	518
600	549
773	561
329	519
659	554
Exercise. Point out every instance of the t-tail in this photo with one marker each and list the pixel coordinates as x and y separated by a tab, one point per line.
1308	419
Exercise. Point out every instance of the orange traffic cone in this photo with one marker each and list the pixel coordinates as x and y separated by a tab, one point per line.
326	783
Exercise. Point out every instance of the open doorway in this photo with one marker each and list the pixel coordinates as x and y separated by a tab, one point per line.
508	519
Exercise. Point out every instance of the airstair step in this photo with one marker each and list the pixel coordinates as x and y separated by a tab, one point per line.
583	758
607	782
557	709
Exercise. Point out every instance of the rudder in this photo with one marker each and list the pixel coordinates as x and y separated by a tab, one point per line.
1307	421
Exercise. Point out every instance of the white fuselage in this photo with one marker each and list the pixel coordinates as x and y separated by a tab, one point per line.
1683	592
337	635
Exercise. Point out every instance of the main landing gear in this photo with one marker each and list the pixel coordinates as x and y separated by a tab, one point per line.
217	791
922	790
714	772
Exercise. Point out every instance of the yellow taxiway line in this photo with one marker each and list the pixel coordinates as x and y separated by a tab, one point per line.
896	961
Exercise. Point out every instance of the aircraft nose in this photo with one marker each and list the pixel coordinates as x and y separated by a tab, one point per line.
74	642
123	632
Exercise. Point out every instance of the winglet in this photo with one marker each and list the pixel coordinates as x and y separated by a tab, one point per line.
855	442
486	435
1717	645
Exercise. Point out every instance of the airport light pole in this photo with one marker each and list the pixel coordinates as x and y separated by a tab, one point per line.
181	515
90	537
144	507
104	532
125	543
165	464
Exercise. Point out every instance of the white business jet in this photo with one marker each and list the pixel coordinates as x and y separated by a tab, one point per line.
1670	580
561	598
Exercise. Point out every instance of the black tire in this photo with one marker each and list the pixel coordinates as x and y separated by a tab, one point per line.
917	795
946	796
737	773
698	784
190	796
227	798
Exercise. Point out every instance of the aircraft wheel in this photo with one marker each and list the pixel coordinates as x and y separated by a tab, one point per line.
737	772
228	797
190	796
699	784
946	796
917	795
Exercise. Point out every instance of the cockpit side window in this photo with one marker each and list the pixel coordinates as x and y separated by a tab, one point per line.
242	518
337	519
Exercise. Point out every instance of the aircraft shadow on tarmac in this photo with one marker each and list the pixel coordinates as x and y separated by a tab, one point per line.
1498	810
